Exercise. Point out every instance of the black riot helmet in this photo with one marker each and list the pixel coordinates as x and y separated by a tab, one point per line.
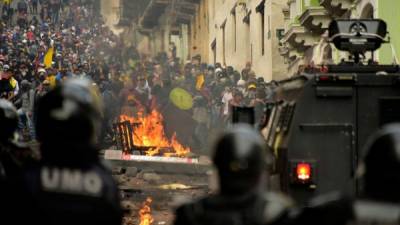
8	120
68	119
241	159
380	169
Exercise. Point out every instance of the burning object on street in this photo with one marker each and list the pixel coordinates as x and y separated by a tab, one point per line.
145	133
139	215
145	213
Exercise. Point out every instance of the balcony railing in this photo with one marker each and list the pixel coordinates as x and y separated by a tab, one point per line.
315	19
299	38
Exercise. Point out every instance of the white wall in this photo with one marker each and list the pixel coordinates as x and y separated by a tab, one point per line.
248	38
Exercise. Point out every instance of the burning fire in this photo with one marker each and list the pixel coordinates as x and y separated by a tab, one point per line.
149	132
145	213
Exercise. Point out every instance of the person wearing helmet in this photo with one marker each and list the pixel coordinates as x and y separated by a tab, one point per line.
14	156
242	163
378	176
71	185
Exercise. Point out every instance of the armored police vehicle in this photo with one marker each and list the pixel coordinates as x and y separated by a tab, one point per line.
318	126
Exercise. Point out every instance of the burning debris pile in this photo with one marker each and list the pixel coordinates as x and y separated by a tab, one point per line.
142	217
148	131
145	213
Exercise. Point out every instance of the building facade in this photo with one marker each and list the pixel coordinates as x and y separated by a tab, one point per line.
164	22
231	32
279	37
110	10
247	31
388	11
305	41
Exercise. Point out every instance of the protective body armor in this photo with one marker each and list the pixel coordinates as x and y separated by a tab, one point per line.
252	209
336	210
14	156
377	213
70	185
14	159
69	195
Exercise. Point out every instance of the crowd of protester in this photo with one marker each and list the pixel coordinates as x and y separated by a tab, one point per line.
214	89
58	39
63	39
44	61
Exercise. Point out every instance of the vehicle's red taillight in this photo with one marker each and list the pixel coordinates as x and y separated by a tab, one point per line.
303	171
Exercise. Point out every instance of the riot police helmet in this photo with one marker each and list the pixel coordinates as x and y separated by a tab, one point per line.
241	159
380	167
8	120
68	119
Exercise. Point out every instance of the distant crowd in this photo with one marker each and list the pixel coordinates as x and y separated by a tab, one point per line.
52	41
55	40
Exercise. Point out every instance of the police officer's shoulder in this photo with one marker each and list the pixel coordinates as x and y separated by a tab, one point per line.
374	212
328	200
331	208
277	207
106	165
104	169
190	206
27	151
190	210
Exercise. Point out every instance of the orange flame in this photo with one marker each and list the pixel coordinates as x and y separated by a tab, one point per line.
149	132
145	213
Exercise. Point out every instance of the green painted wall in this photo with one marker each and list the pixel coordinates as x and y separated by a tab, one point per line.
311	2
315	3
389	10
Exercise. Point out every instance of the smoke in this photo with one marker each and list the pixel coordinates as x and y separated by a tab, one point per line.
110	10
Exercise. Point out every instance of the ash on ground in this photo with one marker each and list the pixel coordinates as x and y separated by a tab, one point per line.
166	190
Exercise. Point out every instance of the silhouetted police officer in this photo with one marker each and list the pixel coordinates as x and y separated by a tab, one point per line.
71	186
14	156
241	160
379	176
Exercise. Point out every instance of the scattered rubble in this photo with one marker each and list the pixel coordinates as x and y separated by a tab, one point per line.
151	177
121	179
140	175
131	171
163	181
117	170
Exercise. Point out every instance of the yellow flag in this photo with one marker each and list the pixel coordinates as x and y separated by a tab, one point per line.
200	82
48	58
52	80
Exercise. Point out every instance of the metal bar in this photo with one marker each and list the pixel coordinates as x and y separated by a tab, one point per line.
325	125
127	133
121	138
130	136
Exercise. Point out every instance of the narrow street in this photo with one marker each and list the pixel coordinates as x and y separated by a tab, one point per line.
199	112
167	183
